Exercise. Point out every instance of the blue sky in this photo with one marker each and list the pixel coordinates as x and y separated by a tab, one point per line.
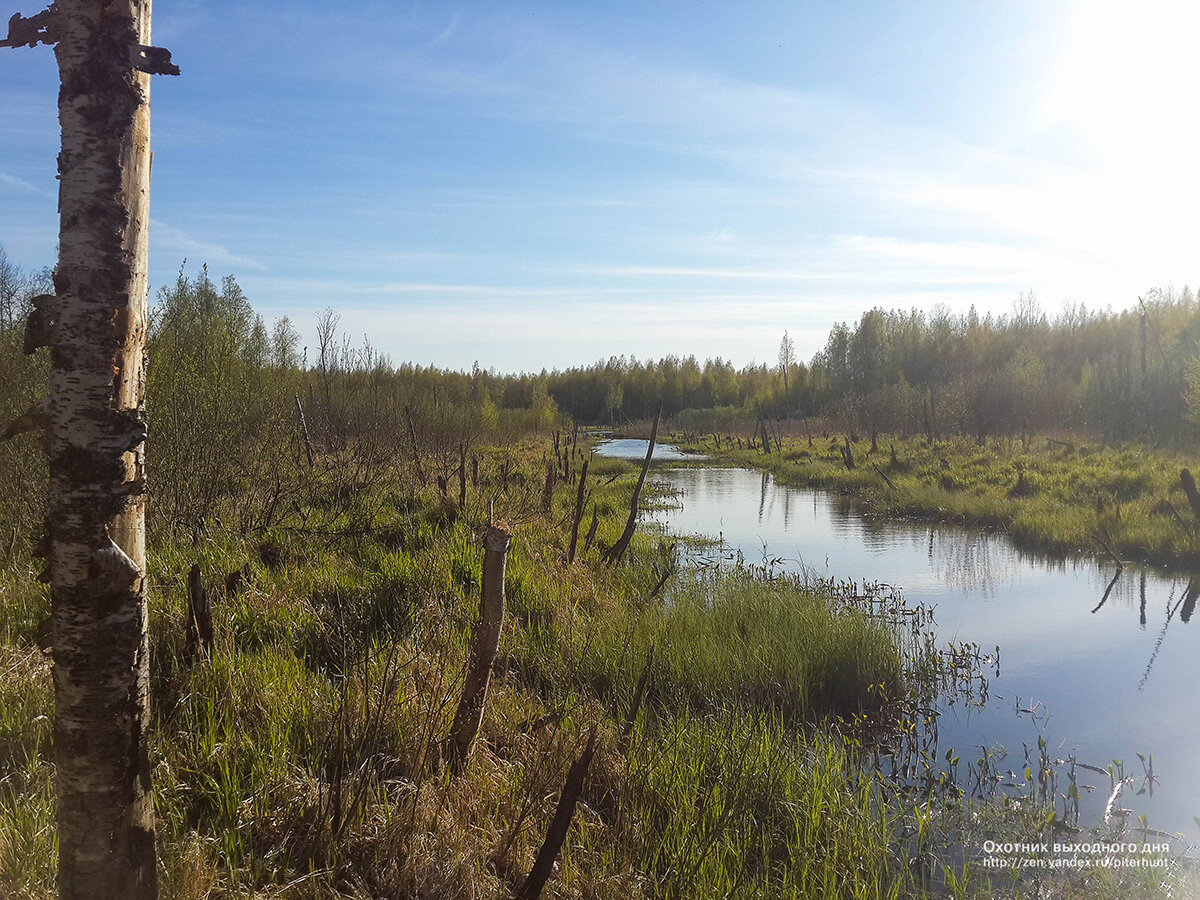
547	184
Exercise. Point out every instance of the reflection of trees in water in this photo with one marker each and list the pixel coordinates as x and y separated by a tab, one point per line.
1184	606
964	560
1139	588
772	496
849	516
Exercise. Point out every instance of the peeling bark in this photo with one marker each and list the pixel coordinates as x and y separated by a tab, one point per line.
96	432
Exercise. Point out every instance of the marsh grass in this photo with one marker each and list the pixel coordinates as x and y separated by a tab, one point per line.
301	759
726	638
745	805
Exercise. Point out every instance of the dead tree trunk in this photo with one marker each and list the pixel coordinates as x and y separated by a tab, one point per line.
622	544
491	621
462	476
96	430
548	488
579	497
304	432
1189	488
556	834
883	475
847	454
574	449
200	625
416	453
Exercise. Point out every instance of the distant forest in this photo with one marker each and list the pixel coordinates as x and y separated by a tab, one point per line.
1132	374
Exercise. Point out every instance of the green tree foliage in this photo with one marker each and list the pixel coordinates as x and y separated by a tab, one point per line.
219	409
224	391
22	461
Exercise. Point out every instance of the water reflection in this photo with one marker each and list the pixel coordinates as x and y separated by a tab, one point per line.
964	561
631	448
1082	669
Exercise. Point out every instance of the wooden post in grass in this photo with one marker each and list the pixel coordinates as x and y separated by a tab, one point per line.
95	419
618	549
304	432
462	475
200	626
1189	488
487	642
579	497
548	486
556	834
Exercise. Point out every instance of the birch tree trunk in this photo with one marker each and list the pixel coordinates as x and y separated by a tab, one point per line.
96	425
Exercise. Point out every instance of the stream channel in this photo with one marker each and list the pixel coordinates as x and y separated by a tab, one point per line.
1103	681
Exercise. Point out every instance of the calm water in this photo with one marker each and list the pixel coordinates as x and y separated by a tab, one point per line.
1103	683
630	448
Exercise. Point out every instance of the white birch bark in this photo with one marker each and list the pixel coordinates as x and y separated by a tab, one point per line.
96	416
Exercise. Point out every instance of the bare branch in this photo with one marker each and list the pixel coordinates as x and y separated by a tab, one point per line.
42	28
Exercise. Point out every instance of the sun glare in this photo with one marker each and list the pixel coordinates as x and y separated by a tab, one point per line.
1125	91
1128	74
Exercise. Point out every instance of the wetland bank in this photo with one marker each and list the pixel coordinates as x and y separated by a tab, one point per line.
1093	661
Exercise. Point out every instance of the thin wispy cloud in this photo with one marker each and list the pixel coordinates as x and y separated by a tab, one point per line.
549	159
12	182
448	31
168	239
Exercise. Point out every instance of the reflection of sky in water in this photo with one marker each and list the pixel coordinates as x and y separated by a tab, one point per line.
630	448
1088	669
